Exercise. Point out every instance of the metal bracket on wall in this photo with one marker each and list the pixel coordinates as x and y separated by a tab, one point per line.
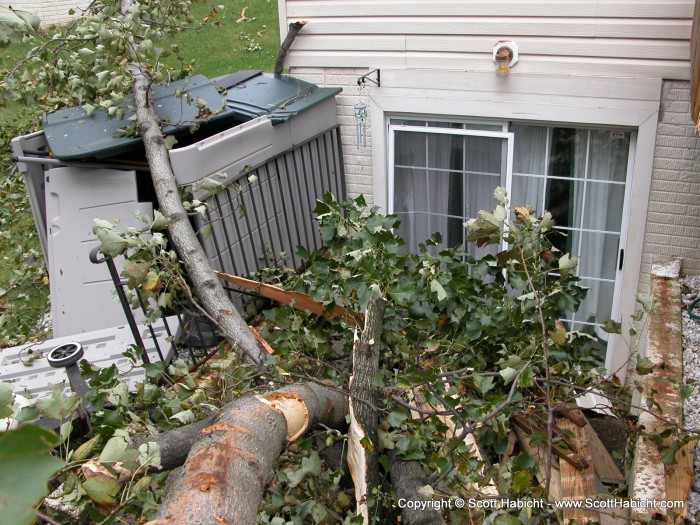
364	78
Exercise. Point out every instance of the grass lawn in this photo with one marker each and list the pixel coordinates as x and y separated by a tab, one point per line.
235	42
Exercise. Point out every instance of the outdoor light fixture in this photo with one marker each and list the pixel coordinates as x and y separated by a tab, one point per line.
505	56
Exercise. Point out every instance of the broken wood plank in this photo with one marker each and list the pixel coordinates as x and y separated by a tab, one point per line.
539	452
576	460
603	463
578	484
452	432
573	414
679	477
297	300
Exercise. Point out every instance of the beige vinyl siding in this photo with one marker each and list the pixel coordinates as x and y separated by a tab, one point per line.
605	37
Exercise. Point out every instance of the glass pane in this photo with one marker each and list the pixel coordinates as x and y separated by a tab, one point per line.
410	190
483	155
414	229
410	149
530	149
598	253
567	156
407	122
597	306
608	155
564	200
445	152
604	204
527	190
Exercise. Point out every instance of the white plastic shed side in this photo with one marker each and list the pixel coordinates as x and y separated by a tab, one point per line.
643	38
81	292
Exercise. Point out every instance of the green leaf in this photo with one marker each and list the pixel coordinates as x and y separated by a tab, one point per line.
508	374
59	405
211	185
644	366
160	221
116	448
437	288
546	223
523	461
111	243
395	418
484	384
647	302
310	465
89	109
668	455
170	141
6	397
567	263
185	417
612	327
149	455
26	465
521	480
102	490
500	195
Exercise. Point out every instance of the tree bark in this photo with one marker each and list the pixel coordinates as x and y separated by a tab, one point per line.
364	417
228	467
406	478
209	290
294	29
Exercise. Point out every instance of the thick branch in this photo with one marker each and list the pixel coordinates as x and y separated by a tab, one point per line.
364	398
407	478
224	477
209	289
294	29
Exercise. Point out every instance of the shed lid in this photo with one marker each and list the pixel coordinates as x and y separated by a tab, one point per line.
71	134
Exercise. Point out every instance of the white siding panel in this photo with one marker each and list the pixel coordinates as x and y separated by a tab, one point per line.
543	27
581	47
560	8
358	42
590	87
624	38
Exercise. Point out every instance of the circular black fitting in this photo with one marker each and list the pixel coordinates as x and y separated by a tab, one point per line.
65	355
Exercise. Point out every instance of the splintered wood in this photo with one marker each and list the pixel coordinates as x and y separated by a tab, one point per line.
579	463
578	484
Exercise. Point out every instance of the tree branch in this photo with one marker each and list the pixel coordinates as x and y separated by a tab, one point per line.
294	29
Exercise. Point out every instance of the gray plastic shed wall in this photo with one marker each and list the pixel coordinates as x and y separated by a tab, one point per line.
296	157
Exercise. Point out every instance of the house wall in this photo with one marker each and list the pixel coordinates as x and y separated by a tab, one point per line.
358	162
50	11
622	38
673	218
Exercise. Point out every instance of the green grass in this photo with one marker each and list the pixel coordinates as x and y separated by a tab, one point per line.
231	46
225	47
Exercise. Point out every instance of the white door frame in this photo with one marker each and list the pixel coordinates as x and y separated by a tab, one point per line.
586	101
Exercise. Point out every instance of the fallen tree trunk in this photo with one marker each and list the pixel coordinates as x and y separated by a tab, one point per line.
407	477
231	462
209	290
363	444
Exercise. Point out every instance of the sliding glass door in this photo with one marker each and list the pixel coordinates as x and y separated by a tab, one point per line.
443	176
443	173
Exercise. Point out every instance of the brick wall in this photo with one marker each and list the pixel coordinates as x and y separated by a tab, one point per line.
358	163
673	218
50	11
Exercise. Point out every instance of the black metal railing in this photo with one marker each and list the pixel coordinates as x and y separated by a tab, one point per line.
256	225
253	225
